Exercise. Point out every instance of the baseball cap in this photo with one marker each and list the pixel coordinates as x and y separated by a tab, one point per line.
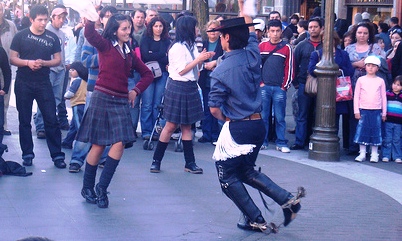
259	24
57	11
372	60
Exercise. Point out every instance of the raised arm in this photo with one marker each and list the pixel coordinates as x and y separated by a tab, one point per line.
247	18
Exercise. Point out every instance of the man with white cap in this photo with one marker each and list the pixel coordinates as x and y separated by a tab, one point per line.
57	73
259	29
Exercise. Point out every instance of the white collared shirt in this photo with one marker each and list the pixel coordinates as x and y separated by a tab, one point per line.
179	57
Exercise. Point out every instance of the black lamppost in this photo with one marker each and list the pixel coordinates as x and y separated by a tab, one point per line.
324	142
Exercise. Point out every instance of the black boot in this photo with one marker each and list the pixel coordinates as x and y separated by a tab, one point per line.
246	224
87	190
155	167
104	181
158	156
292	206
102	199
190	166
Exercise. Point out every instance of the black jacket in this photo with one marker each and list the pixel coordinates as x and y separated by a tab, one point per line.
302	58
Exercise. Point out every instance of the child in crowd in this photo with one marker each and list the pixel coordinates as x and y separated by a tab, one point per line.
77	77
76	94
380	42
392	138
370	106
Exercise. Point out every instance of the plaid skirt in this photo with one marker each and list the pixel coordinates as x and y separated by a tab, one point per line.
106	121
182	102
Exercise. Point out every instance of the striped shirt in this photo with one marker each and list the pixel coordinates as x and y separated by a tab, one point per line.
394	107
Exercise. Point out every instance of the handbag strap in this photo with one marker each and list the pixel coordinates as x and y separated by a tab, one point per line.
318	54
195	69
371	49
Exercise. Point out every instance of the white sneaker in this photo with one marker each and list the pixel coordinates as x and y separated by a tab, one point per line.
374	158
283	149
361	157
385	159
175	136
398	160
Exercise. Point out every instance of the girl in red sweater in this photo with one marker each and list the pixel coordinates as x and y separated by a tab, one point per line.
107	120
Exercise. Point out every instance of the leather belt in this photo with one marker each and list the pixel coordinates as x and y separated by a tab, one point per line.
255	116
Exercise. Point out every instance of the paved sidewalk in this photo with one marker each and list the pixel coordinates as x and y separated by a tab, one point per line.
345	200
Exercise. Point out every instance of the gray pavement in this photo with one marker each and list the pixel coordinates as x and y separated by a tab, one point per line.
345	200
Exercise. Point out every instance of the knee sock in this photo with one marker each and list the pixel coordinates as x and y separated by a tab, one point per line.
108	171
89	175
374	150
188	151
160	150
362	149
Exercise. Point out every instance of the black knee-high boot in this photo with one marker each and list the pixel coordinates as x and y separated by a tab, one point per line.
158	156
190	159
89	182
104	181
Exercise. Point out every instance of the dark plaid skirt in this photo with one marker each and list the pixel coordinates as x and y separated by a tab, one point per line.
106	121
182	102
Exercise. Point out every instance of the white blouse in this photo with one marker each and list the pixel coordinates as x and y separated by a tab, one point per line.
179	56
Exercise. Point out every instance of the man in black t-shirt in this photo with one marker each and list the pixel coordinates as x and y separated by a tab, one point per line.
34	50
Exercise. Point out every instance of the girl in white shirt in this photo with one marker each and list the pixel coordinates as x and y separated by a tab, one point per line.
182	102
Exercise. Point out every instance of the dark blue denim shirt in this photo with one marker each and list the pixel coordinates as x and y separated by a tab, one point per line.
235	82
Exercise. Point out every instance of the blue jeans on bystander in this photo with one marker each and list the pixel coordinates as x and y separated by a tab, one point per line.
276	96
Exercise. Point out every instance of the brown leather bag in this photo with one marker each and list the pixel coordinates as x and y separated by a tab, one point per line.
311	86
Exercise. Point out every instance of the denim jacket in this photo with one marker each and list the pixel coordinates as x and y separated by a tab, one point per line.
235	82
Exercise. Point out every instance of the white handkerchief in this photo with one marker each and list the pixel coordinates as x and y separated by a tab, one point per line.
249	8
85	8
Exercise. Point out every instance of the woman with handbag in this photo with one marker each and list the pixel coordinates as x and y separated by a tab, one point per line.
154	47
182	101
362	46
343	108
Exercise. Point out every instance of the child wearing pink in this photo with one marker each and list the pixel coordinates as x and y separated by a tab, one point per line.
370	107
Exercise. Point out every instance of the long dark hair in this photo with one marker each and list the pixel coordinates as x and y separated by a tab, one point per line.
113	25
150	32
185	30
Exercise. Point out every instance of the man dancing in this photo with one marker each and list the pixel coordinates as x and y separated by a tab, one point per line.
236	99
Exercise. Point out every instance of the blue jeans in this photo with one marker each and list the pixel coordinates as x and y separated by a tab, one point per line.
61	108
135	111
41	91
210	126
276	96
392	141
81	149
1	118
78	112
305	103
151	98
57	82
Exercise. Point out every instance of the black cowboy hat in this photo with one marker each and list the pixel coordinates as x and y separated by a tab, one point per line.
232	23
